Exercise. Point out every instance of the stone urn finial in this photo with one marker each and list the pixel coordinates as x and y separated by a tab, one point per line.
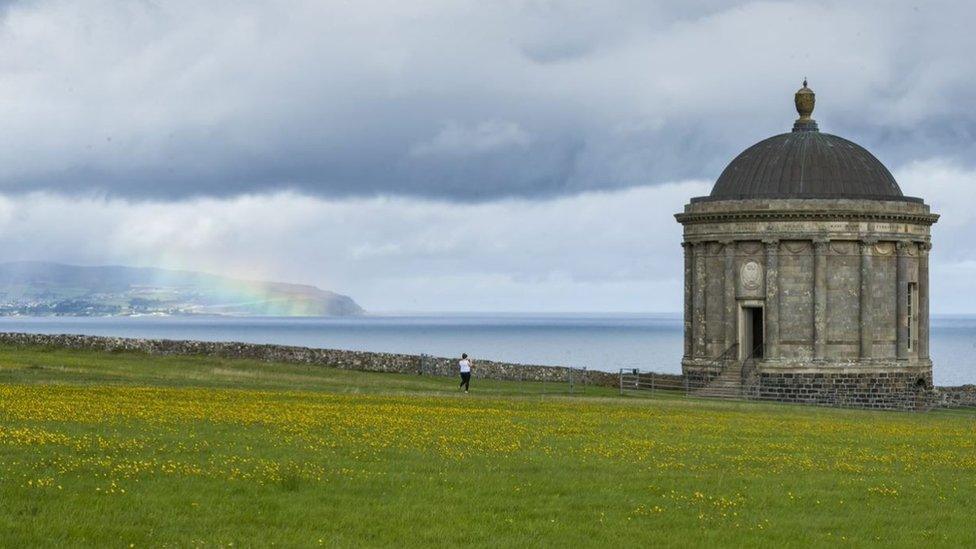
805	100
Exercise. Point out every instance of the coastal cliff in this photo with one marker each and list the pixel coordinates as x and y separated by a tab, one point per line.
52	289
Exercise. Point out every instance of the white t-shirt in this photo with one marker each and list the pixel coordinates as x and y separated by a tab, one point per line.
465	365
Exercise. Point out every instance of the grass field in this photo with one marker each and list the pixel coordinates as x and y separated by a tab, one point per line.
125	450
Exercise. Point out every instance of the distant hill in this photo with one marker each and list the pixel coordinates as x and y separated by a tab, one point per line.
41	288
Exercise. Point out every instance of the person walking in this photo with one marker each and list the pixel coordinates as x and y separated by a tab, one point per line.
465	366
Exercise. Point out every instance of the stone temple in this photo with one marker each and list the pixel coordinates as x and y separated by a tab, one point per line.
807	276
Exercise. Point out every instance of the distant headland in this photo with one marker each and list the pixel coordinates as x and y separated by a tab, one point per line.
34	288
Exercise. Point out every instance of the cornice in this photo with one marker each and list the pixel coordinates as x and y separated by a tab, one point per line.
693	218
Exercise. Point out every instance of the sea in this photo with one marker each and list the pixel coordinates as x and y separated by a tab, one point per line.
601	341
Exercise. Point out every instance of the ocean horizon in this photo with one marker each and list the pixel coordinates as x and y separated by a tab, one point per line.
600	341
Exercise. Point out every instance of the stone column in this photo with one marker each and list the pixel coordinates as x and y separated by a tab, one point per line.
819	297
902	306
772	298
698	301
689	284
923	299
866	321
729	288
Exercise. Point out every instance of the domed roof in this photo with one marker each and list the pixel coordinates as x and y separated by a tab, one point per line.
806	164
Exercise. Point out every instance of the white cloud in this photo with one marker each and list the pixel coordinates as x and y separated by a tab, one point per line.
596	251
948	189
946	186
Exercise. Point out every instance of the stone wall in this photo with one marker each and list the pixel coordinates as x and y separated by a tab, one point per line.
796	299
879	390
962	396
333	358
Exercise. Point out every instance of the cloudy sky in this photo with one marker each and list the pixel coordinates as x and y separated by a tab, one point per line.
455	155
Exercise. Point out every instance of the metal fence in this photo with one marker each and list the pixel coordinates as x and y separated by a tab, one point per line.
636	381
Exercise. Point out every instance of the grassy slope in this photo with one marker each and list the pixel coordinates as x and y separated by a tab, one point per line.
113	449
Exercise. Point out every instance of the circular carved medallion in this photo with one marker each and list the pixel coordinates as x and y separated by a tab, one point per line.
751	275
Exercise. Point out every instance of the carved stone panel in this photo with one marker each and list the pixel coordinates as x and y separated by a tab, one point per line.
797	246
750	248
751	280
884	248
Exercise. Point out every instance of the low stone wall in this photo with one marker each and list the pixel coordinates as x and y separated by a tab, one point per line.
956	397
346	360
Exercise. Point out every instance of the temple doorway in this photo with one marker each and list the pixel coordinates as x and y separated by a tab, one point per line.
751	332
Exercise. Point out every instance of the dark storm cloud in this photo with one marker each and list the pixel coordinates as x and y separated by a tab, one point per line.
464	101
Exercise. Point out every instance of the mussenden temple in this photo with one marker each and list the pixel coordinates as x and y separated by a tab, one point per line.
807	276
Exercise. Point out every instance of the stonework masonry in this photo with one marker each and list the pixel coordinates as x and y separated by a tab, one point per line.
841	286
878	390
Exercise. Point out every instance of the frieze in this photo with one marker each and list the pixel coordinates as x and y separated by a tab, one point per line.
808	227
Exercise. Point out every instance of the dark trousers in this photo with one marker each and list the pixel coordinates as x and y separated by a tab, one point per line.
465	380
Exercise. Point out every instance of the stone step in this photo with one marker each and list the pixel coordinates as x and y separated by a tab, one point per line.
727	384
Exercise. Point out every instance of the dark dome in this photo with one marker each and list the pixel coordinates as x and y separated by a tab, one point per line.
806	164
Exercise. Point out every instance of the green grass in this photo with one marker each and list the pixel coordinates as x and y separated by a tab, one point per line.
113	449
26	365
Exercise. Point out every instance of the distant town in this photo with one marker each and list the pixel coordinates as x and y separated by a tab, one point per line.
107	304
52	289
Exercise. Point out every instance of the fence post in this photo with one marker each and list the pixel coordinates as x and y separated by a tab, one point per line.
621	381
585	379
652	383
